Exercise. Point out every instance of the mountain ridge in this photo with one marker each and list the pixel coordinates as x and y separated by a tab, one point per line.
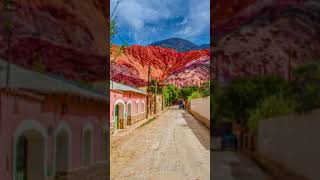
179	44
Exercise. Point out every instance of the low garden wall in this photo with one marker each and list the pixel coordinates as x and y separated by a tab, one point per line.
293	142
136	118
201	109
95	172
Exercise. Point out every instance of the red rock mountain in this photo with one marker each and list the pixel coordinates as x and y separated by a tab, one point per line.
229	15
266	37
167	65
69	36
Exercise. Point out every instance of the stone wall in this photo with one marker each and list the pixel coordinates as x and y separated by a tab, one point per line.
95	172
136	118
292	141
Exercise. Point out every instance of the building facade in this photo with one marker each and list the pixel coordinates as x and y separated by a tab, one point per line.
50	129
128	105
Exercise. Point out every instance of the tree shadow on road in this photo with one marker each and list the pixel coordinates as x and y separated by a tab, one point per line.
199	130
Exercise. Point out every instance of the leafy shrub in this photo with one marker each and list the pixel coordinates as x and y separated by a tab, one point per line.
275	105
247	93
185	92
205	89
306	87
194	95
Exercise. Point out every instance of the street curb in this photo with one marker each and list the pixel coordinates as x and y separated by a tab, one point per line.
276	170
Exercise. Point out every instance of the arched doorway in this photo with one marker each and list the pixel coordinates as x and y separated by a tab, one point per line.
137	107
62	144
87	145
119	111
29	156
143	107
129	111
29	151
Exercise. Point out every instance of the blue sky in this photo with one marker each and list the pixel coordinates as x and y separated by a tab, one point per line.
146	21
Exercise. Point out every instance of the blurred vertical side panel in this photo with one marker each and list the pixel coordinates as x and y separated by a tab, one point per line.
265	96
53	89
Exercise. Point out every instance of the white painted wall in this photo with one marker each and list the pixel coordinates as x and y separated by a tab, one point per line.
201	106
293	141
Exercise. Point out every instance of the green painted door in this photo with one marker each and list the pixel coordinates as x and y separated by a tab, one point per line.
116	116
21	159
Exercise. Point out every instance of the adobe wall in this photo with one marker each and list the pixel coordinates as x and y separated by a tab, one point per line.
292	141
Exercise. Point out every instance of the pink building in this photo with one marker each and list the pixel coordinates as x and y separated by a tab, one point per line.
49	127
127	105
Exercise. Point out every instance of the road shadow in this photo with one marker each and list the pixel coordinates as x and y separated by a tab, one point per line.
199	130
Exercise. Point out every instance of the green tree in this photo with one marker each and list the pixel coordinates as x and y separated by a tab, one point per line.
234	100
205	89
194	95
306	86
113	30
170	93
185	92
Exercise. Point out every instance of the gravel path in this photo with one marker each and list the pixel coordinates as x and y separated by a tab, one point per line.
172	147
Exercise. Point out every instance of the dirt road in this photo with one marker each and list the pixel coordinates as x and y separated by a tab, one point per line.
235	166
172	147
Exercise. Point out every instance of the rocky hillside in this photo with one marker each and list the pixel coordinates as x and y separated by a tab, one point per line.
67	36
193	73
131	67
267	37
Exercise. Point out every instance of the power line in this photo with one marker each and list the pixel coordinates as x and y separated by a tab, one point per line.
121	38
115	9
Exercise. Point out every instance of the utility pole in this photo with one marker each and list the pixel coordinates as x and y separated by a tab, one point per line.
7	9
148	92
155	98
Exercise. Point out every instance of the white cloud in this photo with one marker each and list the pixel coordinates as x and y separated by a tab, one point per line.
198	19
136	14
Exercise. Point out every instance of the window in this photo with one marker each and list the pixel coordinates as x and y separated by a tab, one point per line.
87	147
143	107
137	109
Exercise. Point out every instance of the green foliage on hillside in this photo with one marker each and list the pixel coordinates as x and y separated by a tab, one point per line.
172	93
251	99
271	106
234	100
306	87
193	92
